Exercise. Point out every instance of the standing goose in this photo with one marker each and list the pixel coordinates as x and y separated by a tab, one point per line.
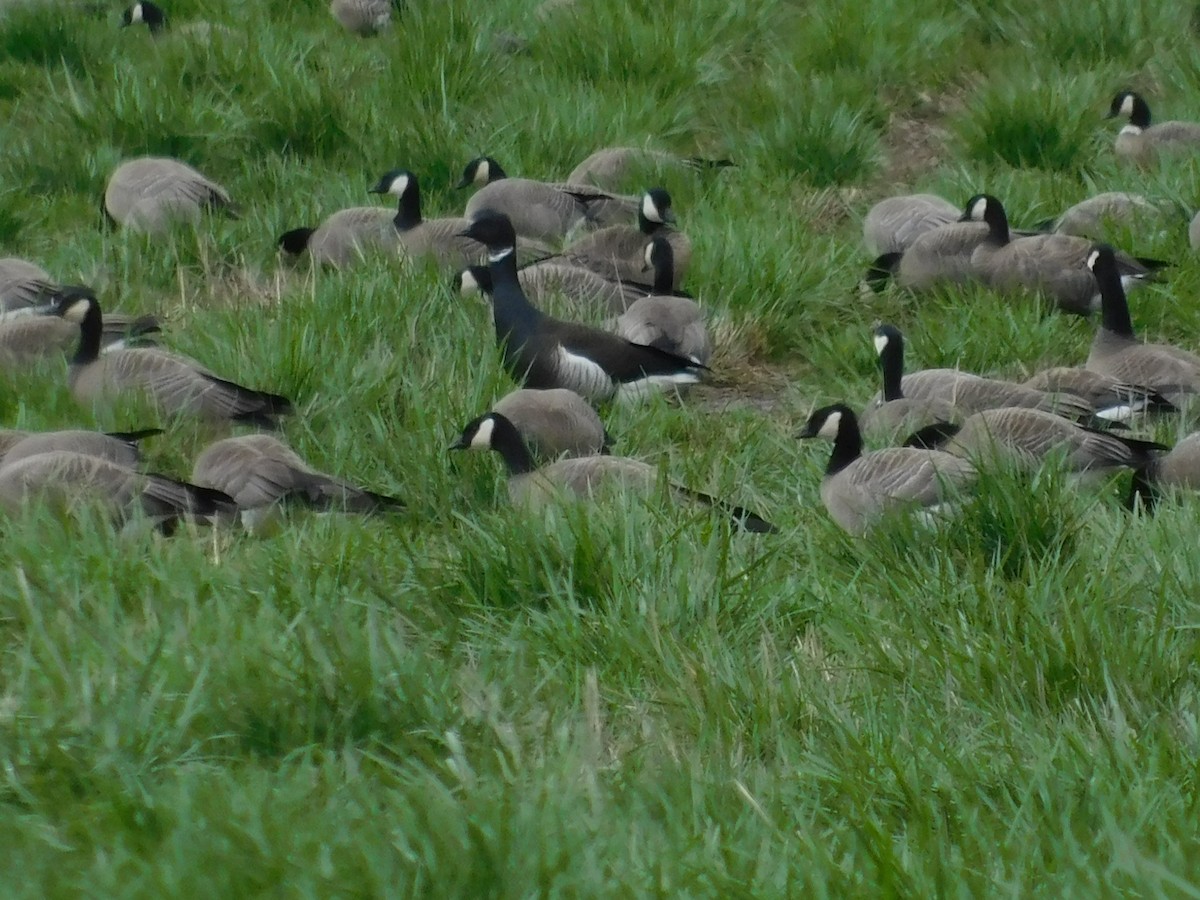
860	488
893	224
1143	143
967	393
172	383
1026	438
65	480
365	18
542	352
583	477
554	422
117	447
671	323
546	212
259	470
1051	264
1113	400
152	193
893	415
1116	352
610	166
617	252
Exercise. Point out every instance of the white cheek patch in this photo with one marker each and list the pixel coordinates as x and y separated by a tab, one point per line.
482	439
500	254
136	14
1092	257
399	186
831	426
1127	105
648	255
483	173
76	311
650	211
978	210
468	284
881	341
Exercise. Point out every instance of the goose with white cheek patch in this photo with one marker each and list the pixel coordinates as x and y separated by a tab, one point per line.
152	16
52	329
1143	143
1051	264
893	415
554	422
543	352
173	384
663	320
584	477
1116	352
858	489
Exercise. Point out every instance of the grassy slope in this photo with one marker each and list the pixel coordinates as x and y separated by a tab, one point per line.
619	700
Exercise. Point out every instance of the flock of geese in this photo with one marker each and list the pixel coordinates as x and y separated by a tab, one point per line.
550	255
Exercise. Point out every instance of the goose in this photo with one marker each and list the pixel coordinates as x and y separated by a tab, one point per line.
858	489
1094	217
117	447
1025	438
53	329
1052	264
539	210
969	393
542	352
173	384
365	18
151	193
349	235
1116	352
671	323
609	166
584	476
1112	399
1179	468
893	414
152	16
1143	143
617	252
259	470
935	258
554	422
65	480
891	225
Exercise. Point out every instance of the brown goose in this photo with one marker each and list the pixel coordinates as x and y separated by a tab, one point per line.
1143	143
1113	400
893	416
892	225
365	18
117	447
53	329
610	166
859	489
23	284
663	320
174	385
583	477
152	193
554	422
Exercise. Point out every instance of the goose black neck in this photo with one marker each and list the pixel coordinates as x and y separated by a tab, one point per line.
1140	116
891	360
664	267
648	227
1114	307
514	316
847	446
507	441
997	223
90	331
154	18
495	172
408	211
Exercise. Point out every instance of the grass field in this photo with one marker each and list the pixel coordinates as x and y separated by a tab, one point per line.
618	700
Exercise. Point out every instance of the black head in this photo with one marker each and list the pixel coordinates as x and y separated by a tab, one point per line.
144	11
1102	260
397	182
492	229
295	241
481	170
72	301
656	207
887	336
480	433
827	421
984	208
1131	106
472	280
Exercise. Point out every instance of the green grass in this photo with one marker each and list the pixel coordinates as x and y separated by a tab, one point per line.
622	700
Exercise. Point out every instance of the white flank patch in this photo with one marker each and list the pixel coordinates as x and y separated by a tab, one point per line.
830	427
881	341
1127	105
583	375
649	210
469	285
653	384
398	186
1122	412
501	254
482	438
136	16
